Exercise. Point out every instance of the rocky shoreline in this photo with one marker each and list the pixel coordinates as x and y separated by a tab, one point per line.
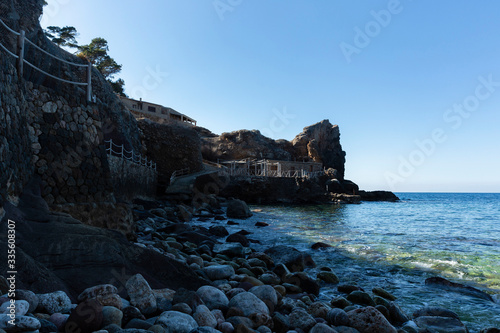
241	290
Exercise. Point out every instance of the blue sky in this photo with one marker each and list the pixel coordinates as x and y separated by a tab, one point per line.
411	83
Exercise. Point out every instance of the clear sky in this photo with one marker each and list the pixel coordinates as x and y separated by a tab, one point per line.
413	84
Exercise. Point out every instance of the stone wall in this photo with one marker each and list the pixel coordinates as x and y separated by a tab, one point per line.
131	180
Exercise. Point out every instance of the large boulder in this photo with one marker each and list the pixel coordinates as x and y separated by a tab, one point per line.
238	209
321	143
292	258
176	322
141	294
212	297
369	320
248	303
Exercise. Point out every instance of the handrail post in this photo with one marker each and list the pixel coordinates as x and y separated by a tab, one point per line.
20	60
89	82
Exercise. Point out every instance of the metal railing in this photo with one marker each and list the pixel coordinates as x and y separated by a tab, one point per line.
121	152
178	173
19	55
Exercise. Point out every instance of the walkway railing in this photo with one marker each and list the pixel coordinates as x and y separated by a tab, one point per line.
19	55
120	151
178	173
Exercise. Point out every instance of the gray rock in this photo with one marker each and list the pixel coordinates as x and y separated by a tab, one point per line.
435	312
213	297
360	297
238	209
219	272
322	328
369	320
440	324
141	295
176	322
346	329
383	293
111	315
205	329
338	317
19	308
93	292
138	324
248	303
397	315
328	277
157	329
182	307
226	327
266	294
292	258
47	326
56	302
204	317
270	278
230	249
319	310
59	320
22	323
299	318
29	297
112	328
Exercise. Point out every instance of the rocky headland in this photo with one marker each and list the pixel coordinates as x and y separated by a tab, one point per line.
93	248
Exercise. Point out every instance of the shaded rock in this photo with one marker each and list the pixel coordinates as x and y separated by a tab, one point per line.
281	323
111	315
19	308
262	224
218	231
320	245
226	327
239	320
157	329
360	297
457	287
383	293
266	294
213	297
328	277
138	324
346	329
337	317
304	281
369	320
378	196
59	320
93	292
299	318
205	329
131	312
339	302
141	295
322	328
490	330
47	326
56	302
248	303
22	323
204	317
219	272
319	310
29	297
270	279
440	324
292	258
261	319
176	322
230	249
397	315
87	317
238	238
238	209
182	307
435	312
347	288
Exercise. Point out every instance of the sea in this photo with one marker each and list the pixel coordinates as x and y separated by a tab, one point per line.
397	245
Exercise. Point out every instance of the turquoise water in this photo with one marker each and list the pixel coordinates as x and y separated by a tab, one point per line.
398	245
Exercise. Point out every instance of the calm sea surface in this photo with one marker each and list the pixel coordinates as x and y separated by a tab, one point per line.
398	245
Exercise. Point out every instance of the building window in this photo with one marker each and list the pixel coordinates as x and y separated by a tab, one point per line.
134	106
151	109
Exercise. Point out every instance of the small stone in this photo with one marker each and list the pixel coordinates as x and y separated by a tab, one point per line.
328	277
266	294
396	314
92	292
238	209
182	307
176	322
226	327
435	312
47	326
360	297
319	310
22	323
56	302
322	328
87	317
262	224
337	317
270	278
29	297
59	320
440	324
157	329
19	308
248	303
383	293
111	315
141	295
253	281
299	318
339	302
204	317
219	272
131	312
138	324
212	297
369	320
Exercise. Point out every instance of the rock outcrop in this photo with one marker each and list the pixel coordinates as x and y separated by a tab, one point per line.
321	143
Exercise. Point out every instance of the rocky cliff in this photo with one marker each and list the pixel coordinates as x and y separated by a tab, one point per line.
318	143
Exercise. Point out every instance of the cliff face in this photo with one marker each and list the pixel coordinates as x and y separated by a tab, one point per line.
319	143
49	130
